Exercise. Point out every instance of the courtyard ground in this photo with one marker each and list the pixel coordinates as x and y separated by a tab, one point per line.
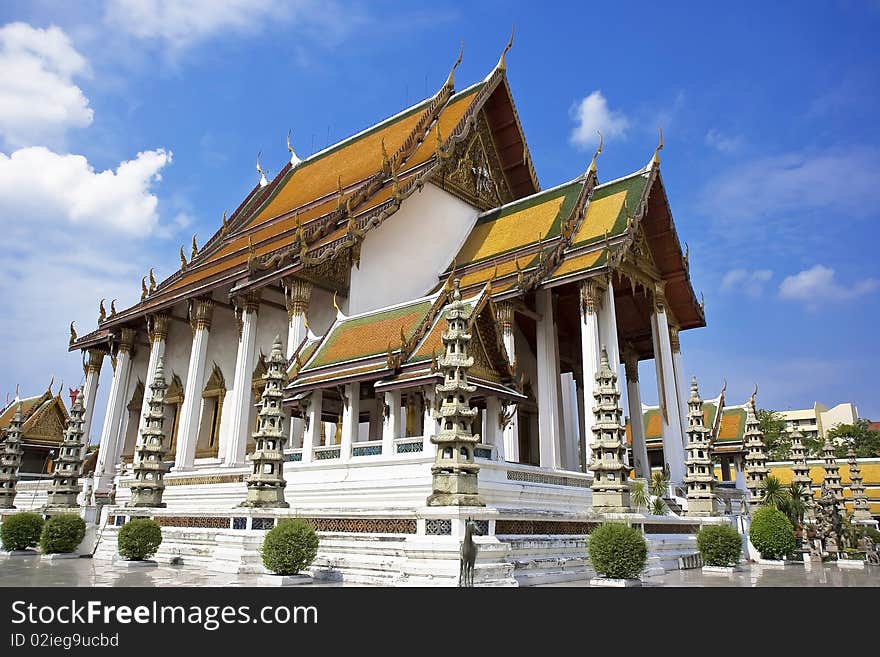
33	571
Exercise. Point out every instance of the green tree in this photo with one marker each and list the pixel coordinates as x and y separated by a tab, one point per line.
864	441
776	438
795	507
775	494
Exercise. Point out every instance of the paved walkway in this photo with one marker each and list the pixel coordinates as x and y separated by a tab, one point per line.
33	571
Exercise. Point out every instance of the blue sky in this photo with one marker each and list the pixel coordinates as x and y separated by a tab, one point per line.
125	127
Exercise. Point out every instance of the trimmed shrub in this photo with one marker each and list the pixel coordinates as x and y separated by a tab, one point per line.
139	539
62	534
289	547
617	551
21	531
719	545
772	533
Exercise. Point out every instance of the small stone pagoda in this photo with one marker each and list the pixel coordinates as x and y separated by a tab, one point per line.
149	466
265	485
832	476
610	483
10	461
700	478
756	454
861	510
454	470
799	466
68	465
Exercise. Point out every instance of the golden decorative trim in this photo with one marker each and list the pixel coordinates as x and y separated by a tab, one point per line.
157	327
201	313
297	294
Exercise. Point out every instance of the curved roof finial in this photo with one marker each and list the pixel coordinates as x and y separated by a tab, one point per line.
450	81
656	159
72	333
263	181
294	159
195	248
502	65
752	398
592	168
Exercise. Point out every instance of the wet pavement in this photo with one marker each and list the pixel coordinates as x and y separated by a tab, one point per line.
34	571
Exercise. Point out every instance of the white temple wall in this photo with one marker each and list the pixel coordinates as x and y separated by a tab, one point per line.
222	350
401	258
128	425
177	348
321	313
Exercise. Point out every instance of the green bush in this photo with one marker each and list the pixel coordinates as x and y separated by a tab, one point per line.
139	539
21	531
772	533
618	551
719	545
873	534
62	534
289	547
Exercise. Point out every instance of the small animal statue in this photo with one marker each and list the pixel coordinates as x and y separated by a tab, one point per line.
468	554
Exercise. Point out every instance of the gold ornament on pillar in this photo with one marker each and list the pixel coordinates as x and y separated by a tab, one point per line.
674	339
201	312
297	294
157	327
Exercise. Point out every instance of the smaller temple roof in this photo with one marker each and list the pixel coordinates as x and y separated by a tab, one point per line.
38	422
730	430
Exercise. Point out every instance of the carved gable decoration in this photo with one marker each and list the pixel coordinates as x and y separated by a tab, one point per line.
137	398
489	362
174	394
47	425
473	170
216	385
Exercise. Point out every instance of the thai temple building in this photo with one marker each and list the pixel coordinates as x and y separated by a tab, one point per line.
43	419
401	332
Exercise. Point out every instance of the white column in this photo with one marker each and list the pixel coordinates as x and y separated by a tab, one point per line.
492	431
673	448
235	441
297	294
157	332
680	390
511	430
200	314
569	413
92	370
582	409
590	302
550	429
312	436
429	423
739	468
608	328
391	421
351	410
111	435
636	421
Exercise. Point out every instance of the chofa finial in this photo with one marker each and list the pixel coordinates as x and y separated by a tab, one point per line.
144	291
502	65
72	333
656	159
754	394
450	81
183	262
592	168
152	281
112	307
263	181
294	160
102	312
195	249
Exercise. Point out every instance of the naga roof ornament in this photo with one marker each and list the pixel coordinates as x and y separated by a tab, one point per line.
263	181
294	159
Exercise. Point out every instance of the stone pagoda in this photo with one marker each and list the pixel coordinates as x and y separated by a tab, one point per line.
265	485
700	478
454	470
801	470
149	467
611	474
68	465
832	476
861	510
756	456
10	461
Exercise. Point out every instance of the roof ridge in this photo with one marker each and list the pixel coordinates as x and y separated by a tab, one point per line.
530	197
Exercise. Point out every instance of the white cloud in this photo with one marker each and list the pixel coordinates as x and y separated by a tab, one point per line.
722	142
38	100
176	25
788	186
817	285
592	114
48	188
750	282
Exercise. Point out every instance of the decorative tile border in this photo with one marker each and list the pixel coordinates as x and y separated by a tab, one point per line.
239	523
199	480
367	450
438	527
204	522
541	478
325	454
410	447
553	527
296	456
483	453
262	523
671	529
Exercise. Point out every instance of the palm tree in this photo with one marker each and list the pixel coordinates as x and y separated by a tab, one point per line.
774	494
659	483
639	495
795	507
658	508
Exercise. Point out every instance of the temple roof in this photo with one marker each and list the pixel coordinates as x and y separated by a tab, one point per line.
730	430
321	207
39	423
398	346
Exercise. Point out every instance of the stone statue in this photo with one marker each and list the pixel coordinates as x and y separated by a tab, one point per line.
468	554
867	544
